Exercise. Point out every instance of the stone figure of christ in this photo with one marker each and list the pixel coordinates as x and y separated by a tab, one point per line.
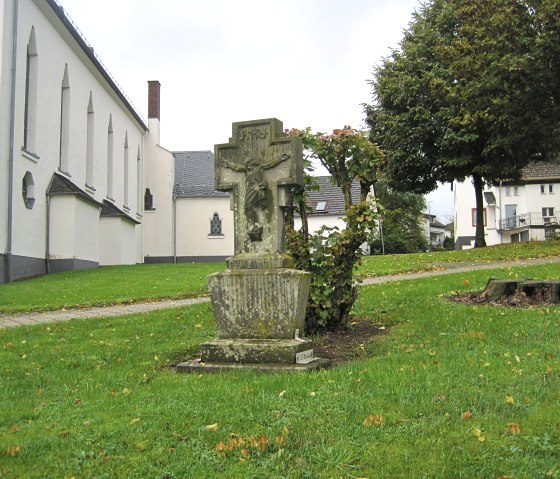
255	189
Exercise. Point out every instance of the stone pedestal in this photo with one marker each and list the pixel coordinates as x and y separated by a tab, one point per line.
260	314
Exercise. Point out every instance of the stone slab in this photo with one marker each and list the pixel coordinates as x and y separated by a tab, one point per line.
259	303
282	351
197	366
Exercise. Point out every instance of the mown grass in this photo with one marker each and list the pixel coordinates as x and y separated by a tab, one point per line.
94	398
126	284
107	285
403	263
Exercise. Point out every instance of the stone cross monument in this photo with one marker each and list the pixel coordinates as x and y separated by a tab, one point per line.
260	301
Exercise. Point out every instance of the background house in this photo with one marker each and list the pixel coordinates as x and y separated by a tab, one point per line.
435	231
525	210
327	205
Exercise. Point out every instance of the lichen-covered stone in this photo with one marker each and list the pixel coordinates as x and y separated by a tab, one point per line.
254	350
259	303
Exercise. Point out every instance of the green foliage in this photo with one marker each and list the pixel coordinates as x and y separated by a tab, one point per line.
401	217
96	398
470	92
330	255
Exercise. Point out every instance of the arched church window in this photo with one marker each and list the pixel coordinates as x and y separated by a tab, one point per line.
148	200
216	225
30	108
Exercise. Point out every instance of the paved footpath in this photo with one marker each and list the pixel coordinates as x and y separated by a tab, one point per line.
22	319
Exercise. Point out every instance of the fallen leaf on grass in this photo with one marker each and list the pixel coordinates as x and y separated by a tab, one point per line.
212	427
478	434
514	428
13	451
467	415
374	420
509	399
136	420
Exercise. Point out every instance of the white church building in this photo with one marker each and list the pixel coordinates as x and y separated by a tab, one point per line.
84	180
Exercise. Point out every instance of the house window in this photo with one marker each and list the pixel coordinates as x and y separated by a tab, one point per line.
216	225
473	216
542	189
149	201
516	191
508	191
64	122
28	190
30	111
550	189
89	143
321	206
547	212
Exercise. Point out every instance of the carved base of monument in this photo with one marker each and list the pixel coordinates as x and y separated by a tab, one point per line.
198	366
259	315
259	303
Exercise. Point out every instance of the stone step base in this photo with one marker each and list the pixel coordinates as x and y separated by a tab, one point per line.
282	351
197	366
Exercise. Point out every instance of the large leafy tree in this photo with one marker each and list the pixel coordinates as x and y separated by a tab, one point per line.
471	91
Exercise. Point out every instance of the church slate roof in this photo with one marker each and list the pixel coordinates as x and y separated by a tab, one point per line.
111	211
194	175
61	185
331	195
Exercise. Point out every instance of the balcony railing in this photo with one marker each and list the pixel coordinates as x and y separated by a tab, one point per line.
529	220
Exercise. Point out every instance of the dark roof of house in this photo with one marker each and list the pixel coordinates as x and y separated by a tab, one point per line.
331	195
110	210
540	170
60	185
90	53
194	175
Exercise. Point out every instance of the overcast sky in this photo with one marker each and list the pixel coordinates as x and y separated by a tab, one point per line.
305	62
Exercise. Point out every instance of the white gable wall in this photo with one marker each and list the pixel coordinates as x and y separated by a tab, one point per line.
56	49
193	228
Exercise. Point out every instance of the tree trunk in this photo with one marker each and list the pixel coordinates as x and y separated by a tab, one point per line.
479	240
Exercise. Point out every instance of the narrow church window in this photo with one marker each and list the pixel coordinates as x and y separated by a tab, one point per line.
216	225
148	200
138	182
89	143
110	158
28	190
64	122
125	186
30	112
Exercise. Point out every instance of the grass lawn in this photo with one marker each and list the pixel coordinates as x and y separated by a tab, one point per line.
107	285
126	284
394	264
451	390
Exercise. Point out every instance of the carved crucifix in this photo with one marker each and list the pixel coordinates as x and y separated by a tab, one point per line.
258	166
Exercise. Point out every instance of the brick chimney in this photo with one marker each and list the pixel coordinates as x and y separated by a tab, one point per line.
153	99
153	110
